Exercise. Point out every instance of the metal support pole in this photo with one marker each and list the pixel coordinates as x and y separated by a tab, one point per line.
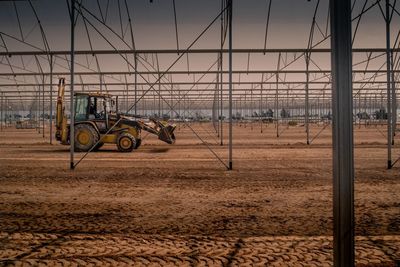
135	55
261	103
72	108
51	100
34	110
102	82
159	88
126	97
307	113
221	75
389	100
276	96
9	111
230	3
38	108
394	99
342	132
43	105
221	104
1	110
359	110
251	105
6	117
5	107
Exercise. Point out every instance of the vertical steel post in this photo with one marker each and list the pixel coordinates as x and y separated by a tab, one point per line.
6	111
230	3
51	100
36	114
101	82
222	103
1	110
251	106
359	110
276	96
307	112
394	99
126	97
135	55
221	74
261	103
318	109
72	108
342	132
43	105
389	100
38	107
159	88
171	102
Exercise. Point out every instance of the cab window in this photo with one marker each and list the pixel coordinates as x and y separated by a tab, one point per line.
81	107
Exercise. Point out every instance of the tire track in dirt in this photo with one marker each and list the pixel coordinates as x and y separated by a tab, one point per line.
156	250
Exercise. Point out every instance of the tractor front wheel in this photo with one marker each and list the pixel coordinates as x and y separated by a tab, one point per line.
85	137
126	142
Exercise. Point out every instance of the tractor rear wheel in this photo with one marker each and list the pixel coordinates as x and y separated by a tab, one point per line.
126	142
85	137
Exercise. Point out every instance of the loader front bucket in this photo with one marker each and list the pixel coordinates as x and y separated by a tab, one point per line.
167	135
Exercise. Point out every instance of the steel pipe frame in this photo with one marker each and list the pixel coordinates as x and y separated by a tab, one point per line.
72	110
183	72
238	91
342	132
199	83
43	107
192	51
307	84
230	59
277	97
389	89
299	96
1	110
51	100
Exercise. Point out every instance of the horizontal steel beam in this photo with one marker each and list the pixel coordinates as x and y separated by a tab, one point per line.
282	96
182	72
191	51
179	83
201	90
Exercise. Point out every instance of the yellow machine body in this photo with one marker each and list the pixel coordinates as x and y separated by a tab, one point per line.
96	123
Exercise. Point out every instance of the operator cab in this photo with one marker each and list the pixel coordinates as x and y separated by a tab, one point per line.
96	108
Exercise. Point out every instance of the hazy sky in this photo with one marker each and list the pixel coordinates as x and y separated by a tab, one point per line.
154	28
290	22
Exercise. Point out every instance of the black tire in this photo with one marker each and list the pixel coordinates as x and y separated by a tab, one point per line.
126	142
85	137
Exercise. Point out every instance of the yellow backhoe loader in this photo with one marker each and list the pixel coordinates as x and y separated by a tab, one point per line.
98	122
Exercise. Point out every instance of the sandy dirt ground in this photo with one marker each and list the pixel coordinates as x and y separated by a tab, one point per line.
177	205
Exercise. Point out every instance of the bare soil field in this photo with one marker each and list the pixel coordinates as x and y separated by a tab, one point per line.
177	205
